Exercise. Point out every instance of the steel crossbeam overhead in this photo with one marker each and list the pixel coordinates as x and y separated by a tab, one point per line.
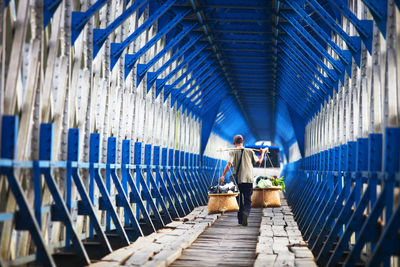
332	74
152	76
187	59
189	70
100	35
143	68
345	56
130	60
338	66
353	42
194	77
118	48
79	19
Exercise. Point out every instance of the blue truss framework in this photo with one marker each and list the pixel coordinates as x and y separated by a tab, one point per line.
257	68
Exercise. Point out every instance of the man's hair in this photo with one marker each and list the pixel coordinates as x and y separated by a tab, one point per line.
238	139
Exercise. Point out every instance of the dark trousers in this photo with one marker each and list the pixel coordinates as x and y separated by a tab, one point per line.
244	199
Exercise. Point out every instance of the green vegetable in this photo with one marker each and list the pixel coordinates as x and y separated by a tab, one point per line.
279	182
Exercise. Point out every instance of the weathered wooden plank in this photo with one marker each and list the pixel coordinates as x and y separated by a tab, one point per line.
224	243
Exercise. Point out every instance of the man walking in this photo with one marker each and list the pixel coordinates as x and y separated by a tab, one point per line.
243	173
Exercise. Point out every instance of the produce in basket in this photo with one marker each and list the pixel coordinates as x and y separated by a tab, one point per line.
263	182
223	188
279	182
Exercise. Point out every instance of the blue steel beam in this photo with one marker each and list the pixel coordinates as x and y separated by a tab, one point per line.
204	90
79	19
191	67
298	79
130	59
363	27
299	83
143	68
49	8
171	87
243	46
208	97
343	54
208	104
183	97
215	79
179	91
296	94
353	42
294	101
100	35
339	66
192	103
118	48
214	87
309	75
308	70
237	4
188	58
378	9
25	218
152	76
203	74
311	55
304	60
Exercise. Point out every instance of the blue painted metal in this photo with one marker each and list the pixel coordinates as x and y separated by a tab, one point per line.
167	198
344	55
179	95
378	9
79	19
338	66
144	189
130	60
174	182
134	195
105	202
24	218
100	35
49	8
363	27
152	76
353	42
143	68
188	58
191	67
122	197
154	187
85	206
118	48
182	182
324	187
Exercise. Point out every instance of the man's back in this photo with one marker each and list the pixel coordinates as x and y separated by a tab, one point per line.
246	166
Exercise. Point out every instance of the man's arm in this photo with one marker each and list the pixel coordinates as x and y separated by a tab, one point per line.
227	167
262	155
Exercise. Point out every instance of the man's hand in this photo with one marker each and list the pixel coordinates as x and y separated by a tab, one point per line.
222	178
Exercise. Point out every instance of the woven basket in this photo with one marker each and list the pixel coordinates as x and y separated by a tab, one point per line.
222	203
266	197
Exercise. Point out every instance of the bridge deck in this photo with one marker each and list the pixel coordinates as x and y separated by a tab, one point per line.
224	243
272	238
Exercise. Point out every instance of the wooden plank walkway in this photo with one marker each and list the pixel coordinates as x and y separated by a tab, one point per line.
224	243
272	238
